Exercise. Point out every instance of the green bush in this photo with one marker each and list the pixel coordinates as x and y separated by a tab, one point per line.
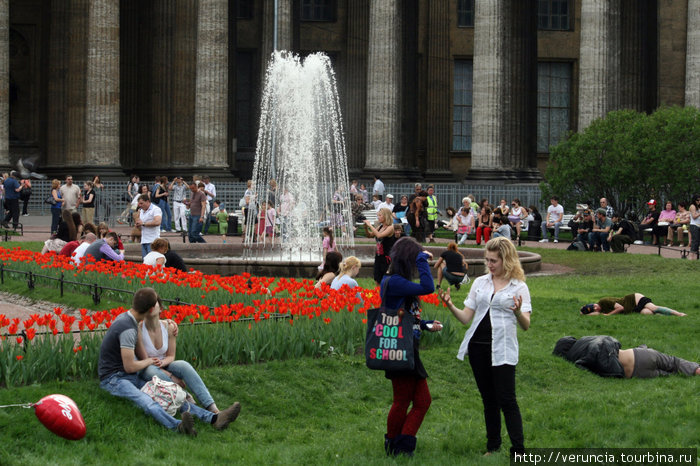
629	158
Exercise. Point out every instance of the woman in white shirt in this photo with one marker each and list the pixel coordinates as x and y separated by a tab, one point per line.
157	255
497	303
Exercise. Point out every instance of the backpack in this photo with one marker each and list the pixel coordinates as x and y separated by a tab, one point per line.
576	246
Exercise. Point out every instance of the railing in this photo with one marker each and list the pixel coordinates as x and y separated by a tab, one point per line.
109	202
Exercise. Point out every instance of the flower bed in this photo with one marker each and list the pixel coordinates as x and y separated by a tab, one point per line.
239	319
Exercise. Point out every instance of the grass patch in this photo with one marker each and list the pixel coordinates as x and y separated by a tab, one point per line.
333	410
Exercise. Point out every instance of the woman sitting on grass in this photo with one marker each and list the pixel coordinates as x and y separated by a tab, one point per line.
349	269
330	269
157	339
65	233
635	302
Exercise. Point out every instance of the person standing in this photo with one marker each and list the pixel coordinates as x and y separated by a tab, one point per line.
149	220
410	387
70	194
695	225
210	191
378	188
497	304
56	207
25	194
198	209
161	199
12	189
88	203
179	190
432	212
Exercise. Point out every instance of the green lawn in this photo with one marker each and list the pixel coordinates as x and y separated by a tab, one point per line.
333	409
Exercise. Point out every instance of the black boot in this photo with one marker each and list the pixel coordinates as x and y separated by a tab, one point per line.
389	446
404	445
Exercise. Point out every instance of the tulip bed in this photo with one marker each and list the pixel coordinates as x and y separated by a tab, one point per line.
229	320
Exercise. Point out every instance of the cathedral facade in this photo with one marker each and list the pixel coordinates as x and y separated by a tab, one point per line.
442	90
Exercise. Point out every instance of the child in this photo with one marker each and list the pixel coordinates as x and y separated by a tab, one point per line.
376	201
465	224
222	218
270	217
261	220
328	244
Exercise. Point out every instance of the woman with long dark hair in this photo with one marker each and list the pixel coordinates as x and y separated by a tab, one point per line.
330	269
410	387
497	304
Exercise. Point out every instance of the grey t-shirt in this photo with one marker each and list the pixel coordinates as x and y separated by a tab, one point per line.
121	334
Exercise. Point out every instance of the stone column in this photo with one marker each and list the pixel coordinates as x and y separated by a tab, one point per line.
4	83
599	77
102	132
692	60
384	87
490	80
211	104
438	99
356	84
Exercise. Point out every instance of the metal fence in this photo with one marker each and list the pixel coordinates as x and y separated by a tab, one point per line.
110	202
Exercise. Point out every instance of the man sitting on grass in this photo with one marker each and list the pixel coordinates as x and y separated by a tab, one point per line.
118	369
602	355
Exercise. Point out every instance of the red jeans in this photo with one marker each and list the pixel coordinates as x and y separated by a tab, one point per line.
486	232
406	390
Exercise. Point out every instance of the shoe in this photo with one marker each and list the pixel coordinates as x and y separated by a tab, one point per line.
5	225
227	416
404	445
544	240
639	242
186	426
556	240
25	215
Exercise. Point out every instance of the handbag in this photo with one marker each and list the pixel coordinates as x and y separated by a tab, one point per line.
169	395
389	340
50	200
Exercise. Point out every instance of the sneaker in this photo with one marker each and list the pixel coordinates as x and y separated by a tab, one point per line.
227	416
186	426
556	240
544	240
639	242
25	215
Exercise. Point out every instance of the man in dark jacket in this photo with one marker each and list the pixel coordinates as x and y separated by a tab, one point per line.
602	355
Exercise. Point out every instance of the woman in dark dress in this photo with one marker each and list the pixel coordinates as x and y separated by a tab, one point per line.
398	291
384	235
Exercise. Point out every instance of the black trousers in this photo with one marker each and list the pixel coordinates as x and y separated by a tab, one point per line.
497	387
12	206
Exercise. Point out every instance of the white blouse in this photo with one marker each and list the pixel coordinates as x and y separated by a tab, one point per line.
151	350
504	324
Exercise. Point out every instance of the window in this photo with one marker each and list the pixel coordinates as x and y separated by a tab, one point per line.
318	10
462	105
554	15
465	13
553	103
244	100
244	9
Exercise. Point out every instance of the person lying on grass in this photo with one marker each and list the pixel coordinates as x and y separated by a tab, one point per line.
157	340
635	302
602	355
118	370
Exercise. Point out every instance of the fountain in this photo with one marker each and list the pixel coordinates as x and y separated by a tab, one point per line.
300	169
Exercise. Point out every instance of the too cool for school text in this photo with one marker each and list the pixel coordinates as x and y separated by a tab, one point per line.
389	332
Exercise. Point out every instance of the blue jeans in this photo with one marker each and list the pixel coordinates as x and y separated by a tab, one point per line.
129	386
145	249
556	230
598	238
193	230
207	218
167	222
55	218
186	372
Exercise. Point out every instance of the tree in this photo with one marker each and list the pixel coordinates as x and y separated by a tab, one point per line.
629	158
